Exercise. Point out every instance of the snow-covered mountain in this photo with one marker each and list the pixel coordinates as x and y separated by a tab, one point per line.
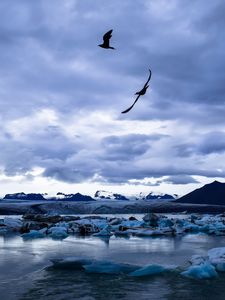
59	196
23	196
99	195
160	196
72	197
142	196
109	196
154	196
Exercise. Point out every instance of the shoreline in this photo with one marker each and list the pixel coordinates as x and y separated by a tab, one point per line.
103	207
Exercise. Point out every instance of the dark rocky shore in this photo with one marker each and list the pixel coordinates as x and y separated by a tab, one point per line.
104	207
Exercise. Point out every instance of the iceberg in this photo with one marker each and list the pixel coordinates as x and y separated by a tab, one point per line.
165	223
107	267
33	234
100	223
115	221
192	228
71	263
57	232
150	270
197	260
217	258
202	271
105	232
12	224
132	223
62	224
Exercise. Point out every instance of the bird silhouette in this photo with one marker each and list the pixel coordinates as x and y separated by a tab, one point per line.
106	37
140	93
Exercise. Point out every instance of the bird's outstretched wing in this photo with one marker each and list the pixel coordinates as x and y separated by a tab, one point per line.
145	87
107	36
126	111
149	77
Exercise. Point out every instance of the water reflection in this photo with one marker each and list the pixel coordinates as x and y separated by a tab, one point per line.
23	262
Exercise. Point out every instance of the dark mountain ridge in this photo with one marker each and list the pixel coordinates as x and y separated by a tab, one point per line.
212	193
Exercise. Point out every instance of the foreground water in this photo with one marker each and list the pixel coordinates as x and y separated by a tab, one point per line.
25	273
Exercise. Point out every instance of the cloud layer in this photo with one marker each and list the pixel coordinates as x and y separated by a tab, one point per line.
61	95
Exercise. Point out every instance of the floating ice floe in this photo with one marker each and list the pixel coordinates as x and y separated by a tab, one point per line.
105	232
201	271
3	228
217	258
197	260
165	223
33	234
151	225
12	224
57	232
100	223
115	221
204	267
93	266
73	263
150	270
107	267
151	219
133	223
62	224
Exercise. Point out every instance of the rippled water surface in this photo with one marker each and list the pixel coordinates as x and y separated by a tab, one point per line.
25	273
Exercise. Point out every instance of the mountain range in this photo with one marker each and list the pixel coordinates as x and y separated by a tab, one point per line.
211	194
99	195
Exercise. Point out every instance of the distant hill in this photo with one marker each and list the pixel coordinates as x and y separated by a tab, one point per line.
212	193
23	196
73	197
59	196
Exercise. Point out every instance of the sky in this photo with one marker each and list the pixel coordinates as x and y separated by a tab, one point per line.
61	96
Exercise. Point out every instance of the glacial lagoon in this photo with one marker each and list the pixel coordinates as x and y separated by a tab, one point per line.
27	272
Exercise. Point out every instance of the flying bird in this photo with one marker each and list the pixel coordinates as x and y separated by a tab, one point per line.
140	93
106	37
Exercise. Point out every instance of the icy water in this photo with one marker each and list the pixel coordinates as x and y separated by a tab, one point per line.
25	272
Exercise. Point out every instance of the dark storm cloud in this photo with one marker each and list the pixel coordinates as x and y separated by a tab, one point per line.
127	147
209	143
50	61
40	147
180	179
213	142
185	150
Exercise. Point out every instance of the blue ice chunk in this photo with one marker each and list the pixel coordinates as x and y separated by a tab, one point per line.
33	234
203	271
192	228
108	267
58	232
105	232
163	223
132	223
71	263
217	258
149	270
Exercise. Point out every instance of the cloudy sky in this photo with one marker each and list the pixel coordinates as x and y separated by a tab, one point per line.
61	96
